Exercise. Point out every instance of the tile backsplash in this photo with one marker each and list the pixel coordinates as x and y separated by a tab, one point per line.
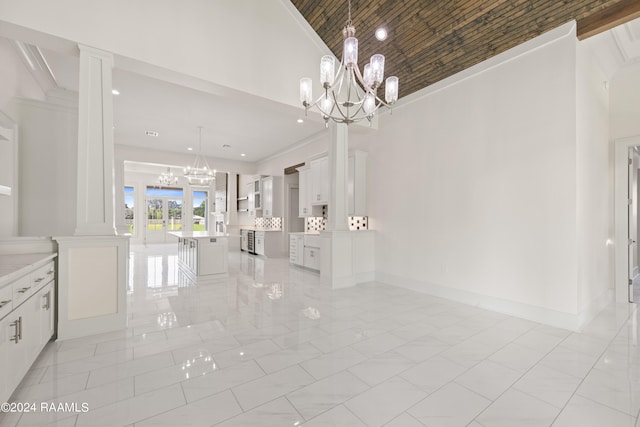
320	223
275	223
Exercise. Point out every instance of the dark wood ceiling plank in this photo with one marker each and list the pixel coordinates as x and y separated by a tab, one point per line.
608	18
430	40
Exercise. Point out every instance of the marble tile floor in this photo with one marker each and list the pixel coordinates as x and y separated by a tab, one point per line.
270	346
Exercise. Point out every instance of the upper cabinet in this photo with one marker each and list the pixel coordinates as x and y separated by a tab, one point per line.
271	197
304	191
264	196
314	183
320	181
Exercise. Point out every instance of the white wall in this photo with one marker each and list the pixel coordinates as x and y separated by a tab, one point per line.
625	108
473	187
48	140
15	81
594	195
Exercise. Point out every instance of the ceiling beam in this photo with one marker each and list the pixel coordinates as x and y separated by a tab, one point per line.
607	18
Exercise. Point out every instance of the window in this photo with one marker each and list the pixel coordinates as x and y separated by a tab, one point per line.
200	211
129	208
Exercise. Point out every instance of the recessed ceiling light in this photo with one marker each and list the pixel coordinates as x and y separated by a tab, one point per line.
115	91
151	133
300	121
243	154
190	148
381	33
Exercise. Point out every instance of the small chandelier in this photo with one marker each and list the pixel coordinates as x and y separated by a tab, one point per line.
349	96
167	178
200	173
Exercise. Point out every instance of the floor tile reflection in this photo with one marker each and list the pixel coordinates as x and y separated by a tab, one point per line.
271	346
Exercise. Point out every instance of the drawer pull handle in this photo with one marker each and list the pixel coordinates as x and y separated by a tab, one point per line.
47	301
51	271
3	303
18	331
39	279
23	290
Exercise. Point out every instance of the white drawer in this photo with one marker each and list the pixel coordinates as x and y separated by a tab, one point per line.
6	300
31	283
44	274
312	240
22	289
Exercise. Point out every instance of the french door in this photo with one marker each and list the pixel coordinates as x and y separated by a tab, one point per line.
164	214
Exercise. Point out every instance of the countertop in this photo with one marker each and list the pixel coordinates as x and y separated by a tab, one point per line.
13	267
317	233
198	234
249	227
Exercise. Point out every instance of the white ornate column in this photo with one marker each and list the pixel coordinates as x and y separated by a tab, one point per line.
336	260
95	191
338	175
93	263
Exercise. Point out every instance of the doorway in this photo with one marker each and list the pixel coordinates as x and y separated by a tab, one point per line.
164	214
626	217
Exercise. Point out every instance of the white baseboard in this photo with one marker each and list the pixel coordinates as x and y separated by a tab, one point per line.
542	315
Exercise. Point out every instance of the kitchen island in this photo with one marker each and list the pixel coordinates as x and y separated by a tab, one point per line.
202	254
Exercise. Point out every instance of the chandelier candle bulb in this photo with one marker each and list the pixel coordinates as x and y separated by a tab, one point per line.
369	104
391	89
305	90
377	68
327	69
326	105
351	52
367	75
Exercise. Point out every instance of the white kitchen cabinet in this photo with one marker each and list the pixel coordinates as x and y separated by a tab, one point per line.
47	297
271	197
251	205
212	256
311	258
304	192
259	242
203	254
27	327
296	249
320	181
5	344
257	193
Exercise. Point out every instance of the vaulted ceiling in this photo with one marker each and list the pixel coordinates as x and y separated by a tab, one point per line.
430	40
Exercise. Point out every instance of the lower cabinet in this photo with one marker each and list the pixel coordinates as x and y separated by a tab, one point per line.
312	257
204	256
23	334
259	242
296	249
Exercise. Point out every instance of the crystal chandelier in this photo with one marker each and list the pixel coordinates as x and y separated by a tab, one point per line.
167	178
349	96
200	173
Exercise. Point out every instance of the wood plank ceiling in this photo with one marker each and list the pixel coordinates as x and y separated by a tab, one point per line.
430	40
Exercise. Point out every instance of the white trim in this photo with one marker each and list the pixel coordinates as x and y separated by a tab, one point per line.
543	315
78	327
303	142
621	221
